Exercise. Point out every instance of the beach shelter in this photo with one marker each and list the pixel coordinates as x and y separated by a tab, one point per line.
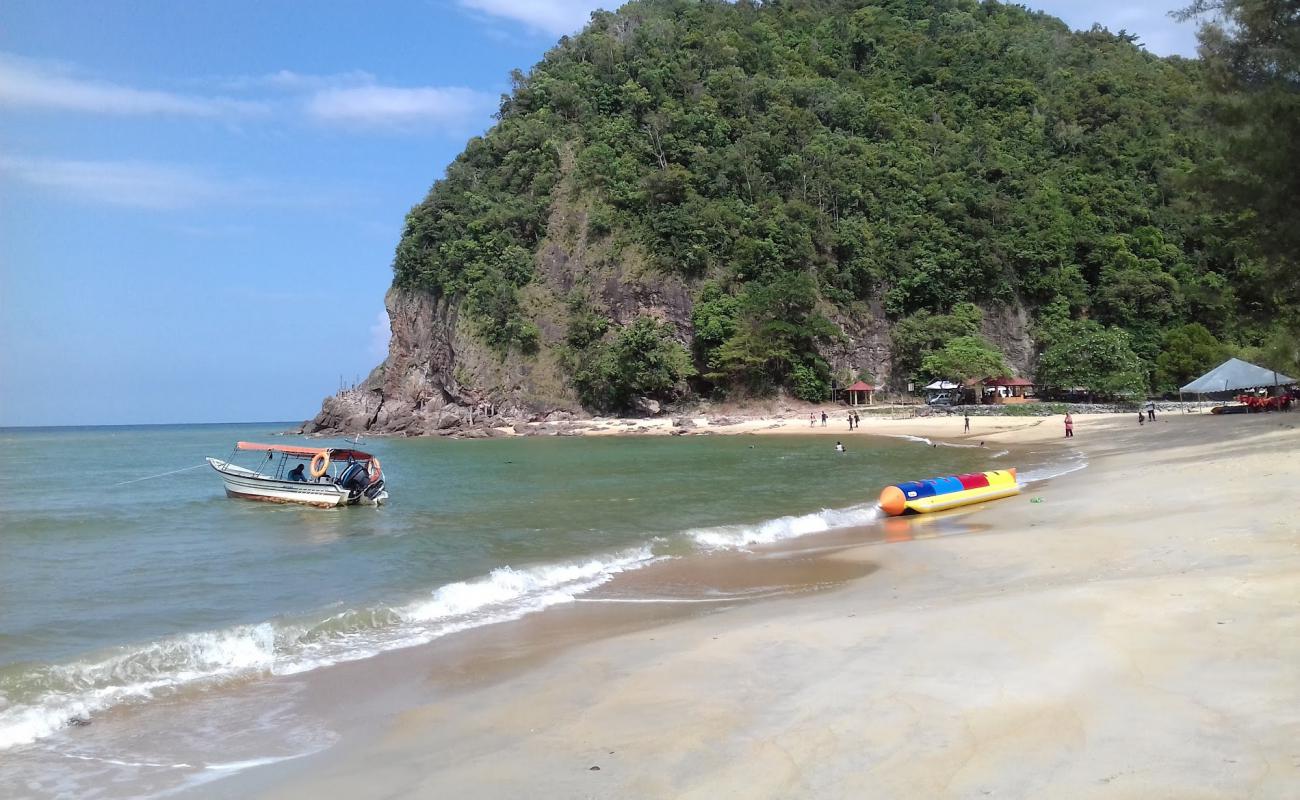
1235	375
860	394
931	389
1011	390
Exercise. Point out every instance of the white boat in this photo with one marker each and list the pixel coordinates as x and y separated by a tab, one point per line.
338	476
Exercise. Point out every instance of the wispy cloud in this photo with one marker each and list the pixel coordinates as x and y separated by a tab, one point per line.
446	109
353	100
555	17
287	80
134	184
36	85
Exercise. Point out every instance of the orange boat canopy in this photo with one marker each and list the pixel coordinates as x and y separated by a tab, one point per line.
298	451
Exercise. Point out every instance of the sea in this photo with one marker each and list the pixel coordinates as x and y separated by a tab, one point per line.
130	583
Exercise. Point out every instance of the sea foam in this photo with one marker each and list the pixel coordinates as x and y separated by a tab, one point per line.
781	528
37	702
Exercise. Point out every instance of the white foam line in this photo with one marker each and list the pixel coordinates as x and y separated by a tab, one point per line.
931	442
775	530
133	674
239	766
1052	471
120	763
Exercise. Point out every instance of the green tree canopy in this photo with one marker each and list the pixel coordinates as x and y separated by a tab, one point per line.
921	334
791	163
1188	352
964	358
1083	354
1251	55
641	360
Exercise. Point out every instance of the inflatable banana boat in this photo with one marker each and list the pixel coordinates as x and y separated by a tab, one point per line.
940	494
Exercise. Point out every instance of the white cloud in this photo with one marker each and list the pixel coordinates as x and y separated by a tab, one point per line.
556	17
34	85
287	80
446	109
135	184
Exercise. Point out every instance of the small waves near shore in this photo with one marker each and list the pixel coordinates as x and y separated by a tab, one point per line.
162	595
38	700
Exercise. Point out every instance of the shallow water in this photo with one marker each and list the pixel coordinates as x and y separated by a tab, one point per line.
118	594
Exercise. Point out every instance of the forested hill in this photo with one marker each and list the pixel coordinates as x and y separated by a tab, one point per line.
742	196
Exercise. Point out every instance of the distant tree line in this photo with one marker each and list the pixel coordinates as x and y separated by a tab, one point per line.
799	160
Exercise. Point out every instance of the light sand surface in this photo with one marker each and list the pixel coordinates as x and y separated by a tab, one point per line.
1135	634
894	421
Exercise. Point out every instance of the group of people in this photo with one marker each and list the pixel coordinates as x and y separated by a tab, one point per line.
852	418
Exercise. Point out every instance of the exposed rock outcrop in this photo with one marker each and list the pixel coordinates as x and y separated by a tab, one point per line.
438	378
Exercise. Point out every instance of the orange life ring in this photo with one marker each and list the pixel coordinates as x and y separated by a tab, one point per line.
320	463
376	471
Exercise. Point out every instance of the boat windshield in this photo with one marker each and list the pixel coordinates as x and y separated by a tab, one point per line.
297	462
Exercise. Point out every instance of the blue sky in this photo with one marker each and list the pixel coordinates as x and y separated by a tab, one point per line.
199	201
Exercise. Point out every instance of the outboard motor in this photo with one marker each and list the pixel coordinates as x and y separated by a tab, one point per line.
354	479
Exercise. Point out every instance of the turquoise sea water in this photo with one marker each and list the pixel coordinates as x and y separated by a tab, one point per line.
121	591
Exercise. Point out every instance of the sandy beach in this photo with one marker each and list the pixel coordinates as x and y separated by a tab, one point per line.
879	421
1126	630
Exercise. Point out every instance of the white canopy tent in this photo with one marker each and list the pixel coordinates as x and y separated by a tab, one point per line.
1234	375
938	386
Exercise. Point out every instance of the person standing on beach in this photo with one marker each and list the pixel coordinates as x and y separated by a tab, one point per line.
1151	411
857	421
850	419
823	419
812	420
1069	426
967	416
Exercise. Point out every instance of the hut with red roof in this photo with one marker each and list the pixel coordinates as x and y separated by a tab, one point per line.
859	394
1009	390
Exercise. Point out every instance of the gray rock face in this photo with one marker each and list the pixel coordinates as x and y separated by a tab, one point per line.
646	406
438	378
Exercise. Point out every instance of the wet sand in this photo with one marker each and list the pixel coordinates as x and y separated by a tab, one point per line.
1132	634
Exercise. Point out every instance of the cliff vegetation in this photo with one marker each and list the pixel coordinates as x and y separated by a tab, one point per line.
720	199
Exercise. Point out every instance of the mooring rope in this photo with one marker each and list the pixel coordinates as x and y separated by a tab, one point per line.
159	475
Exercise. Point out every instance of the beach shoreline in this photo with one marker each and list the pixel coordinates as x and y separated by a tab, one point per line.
1126	630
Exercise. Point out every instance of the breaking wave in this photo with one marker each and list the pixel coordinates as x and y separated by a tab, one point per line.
36	701
775	530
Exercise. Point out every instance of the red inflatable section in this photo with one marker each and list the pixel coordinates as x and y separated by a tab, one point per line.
974	480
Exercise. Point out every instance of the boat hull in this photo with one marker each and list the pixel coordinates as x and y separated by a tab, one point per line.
245	484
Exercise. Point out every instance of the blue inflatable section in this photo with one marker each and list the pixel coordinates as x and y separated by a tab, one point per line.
916	489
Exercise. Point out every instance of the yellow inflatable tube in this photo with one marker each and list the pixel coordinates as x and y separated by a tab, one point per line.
940	494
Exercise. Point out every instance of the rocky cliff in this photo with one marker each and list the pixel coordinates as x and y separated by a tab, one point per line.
749	198
440	379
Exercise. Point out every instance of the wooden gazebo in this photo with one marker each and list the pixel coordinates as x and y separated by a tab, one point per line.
859	394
